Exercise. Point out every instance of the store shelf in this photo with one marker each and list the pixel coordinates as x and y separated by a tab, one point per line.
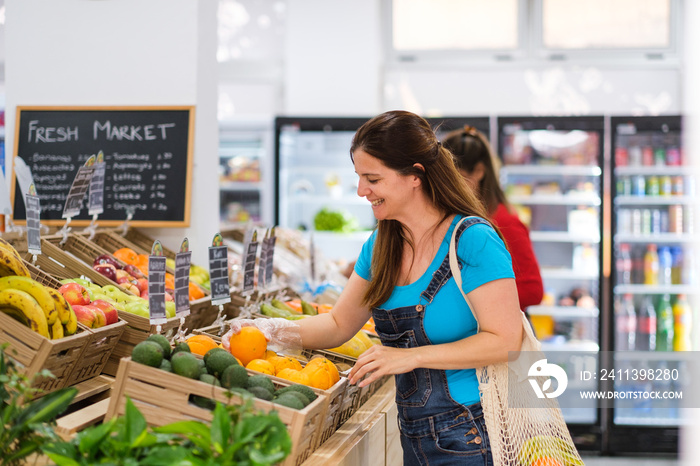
679	238
567	274
656	289
582	346
655	200
562	237
572	170
575	199
240	186
563	311
652	170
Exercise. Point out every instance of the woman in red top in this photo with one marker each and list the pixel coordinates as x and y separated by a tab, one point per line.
478	165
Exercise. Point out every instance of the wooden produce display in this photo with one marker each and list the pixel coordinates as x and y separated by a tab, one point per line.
163	397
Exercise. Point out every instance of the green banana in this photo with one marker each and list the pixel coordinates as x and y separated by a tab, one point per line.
23	302
38	292
308	309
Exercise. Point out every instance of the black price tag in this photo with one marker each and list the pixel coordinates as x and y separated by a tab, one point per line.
33	205
80	186
156	285
270	254
262	262
218	271
97	187
250	250
182	280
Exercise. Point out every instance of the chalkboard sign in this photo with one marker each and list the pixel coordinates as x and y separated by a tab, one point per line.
147	152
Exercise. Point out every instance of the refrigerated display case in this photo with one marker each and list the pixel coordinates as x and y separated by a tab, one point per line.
655	274
316	181
245	171
552	173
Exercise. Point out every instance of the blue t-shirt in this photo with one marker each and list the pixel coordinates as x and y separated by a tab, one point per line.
448	318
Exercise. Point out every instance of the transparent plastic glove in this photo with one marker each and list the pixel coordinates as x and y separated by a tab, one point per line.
282	335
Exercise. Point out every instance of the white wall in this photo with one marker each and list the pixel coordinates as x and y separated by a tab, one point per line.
122	52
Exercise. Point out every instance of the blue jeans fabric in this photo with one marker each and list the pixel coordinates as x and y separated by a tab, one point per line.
435	429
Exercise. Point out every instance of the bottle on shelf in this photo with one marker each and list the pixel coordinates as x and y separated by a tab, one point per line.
651	265
665	185
652	187
646	326
625	324
665	266
639	186
664	324
676	265
682	326
624	265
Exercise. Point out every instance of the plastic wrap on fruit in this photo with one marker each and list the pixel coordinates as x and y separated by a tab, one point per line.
282	335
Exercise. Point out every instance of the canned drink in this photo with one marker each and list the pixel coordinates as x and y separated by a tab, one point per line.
653	185
673	156
647	156
636	222
664	221
624	221
621	157
639	186
646	221
665	185
624	186
677	186
660	157
635	156
675	219
655	221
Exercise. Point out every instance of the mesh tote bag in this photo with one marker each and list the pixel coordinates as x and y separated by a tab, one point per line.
524	430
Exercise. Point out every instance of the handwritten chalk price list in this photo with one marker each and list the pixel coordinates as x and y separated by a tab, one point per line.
182	280
218	272
156	284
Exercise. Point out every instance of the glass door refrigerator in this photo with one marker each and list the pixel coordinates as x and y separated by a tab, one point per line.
316	183
655	284
552	172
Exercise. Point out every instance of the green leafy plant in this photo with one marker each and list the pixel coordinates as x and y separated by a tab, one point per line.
238	434
27	421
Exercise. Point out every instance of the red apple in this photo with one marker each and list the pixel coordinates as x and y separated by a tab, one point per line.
75	294
86	315
142	283
110	312
144	294
130	287
100	317
123	279
107	259
108	270
134	271
123	273
169	297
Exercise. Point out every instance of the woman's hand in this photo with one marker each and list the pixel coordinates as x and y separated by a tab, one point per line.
379	361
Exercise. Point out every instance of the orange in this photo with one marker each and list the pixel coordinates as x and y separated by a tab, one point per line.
126	255
269	354
200	344
195	292
546	461
319	377
284	362
169	280
294	376
248	344
261	365
326	365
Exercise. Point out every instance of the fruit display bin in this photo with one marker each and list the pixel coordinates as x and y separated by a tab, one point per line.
163	397
35	352
18	240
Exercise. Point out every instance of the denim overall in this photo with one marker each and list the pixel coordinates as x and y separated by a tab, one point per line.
435	429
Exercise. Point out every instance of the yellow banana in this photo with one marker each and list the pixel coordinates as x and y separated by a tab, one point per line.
4	244
71	326
56	330
11	264
62	307
38	292
23	302
16	314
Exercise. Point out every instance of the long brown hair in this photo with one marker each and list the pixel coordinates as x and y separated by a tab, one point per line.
400	139
470	147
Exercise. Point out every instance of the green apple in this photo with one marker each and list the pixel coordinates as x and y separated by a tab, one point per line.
169	309
140	309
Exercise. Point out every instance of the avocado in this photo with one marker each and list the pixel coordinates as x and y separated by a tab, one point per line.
185	364
217	363
202	402
260	392
208	354
209	379
149	353
261	380
290	401
234	376
301	397
166	365
180	347
163	342
303	389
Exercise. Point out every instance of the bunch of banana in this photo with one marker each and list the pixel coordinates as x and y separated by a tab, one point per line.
40	308
10	261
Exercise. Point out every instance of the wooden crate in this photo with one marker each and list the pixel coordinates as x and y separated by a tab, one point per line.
163	397
34	352
18	240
